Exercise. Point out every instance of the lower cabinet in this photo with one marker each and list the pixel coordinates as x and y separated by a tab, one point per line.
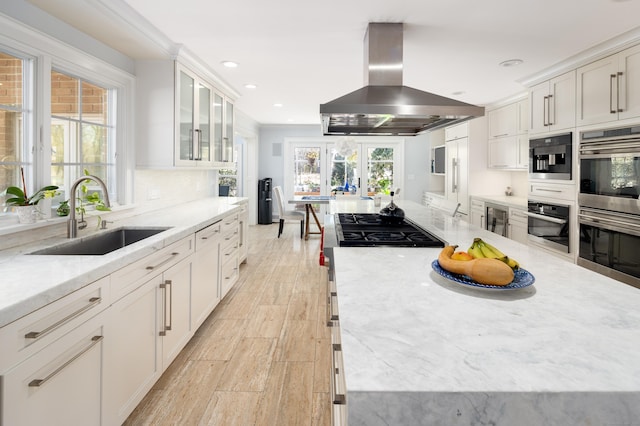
205	281
518	225
477	214
61	384
148	328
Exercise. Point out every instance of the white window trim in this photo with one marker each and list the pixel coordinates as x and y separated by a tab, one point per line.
49	53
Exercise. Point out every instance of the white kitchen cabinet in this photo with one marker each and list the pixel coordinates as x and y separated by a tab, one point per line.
205	292
609	89
181	119
508	142
553	104
148	326
243	227
503	121
194	120
457	169
518	225
61	384
477	213
229	253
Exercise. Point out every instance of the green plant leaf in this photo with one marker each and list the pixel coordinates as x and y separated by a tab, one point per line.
14	190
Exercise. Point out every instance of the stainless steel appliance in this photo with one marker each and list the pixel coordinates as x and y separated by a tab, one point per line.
550	157
609	244
384	106
610	169
609	212
497	218
368	230
548	225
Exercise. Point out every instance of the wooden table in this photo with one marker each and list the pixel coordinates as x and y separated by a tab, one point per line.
309	201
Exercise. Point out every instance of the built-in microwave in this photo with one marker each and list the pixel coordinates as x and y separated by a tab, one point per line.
438	159
550	157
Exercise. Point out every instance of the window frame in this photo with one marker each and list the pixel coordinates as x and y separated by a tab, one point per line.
48	53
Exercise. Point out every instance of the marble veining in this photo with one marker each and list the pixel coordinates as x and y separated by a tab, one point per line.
29	282
420	349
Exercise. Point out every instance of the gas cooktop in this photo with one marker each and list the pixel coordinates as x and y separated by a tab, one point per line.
368	230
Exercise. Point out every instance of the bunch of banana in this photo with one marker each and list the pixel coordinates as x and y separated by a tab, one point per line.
480	249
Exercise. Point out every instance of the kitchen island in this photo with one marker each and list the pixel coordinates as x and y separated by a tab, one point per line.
419	349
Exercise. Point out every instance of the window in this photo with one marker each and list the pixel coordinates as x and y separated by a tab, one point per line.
14	117
82	131
228	182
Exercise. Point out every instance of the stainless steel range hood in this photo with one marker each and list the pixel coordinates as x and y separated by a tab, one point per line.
384	106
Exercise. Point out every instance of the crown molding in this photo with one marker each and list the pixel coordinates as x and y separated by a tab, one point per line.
599	51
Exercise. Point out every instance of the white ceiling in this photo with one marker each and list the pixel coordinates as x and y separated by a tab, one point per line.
303	53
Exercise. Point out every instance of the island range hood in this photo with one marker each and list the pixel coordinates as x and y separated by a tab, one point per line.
384	106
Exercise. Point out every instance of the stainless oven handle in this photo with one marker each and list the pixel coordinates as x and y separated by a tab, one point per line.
546	218
613	147
614	223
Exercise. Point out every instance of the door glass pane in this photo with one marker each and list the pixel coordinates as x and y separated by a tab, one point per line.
379	170
204	123
186	117
217	127
344	172
306	171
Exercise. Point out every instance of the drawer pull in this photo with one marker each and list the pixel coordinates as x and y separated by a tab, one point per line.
151	268
37	334
39	382
338	388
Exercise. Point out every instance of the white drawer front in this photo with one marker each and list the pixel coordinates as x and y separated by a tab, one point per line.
132	276
554	191
31	333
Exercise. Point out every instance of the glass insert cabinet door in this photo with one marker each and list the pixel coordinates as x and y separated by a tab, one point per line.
194	119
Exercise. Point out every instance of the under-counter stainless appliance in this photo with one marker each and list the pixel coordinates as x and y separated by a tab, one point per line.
497	218
550	157
609	209
548	225
368	230
609	244
610	169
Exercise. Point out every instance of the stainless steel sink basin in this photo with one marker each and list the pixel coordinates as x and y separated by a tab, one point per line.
102	243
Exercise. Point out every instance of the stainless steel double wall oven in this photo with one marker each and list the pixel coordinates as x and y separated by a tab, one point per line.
609	208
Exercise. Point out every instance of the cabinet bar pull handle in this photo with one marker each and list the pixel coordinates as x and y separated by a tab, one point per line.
334	308
337	388
611	78
39	382
545	111
151	268
549	105
618	87
167	286
37	334
548	190
454	176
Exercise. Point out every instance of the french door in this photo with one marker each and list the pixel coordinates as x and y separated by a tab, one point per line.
337	166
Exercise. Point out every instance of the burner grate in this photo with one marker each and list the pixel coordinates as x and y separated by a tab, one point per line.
367	229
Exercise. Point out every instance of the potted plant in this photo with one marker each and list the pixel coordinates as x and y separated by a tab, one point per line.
23	204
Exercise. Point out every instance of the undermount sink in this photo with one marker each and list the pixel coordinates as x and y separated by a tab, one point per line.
102	243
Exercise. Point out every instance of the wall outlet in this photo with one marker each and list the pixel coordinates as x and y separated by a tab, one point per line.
153	194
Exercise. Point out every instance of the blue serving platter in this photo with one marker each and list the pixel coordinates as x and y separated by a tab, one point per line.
521	279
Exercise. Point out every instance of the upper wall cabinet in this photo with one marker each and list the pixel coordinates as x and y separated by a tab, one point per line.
609	89
553	104
181	120
508	141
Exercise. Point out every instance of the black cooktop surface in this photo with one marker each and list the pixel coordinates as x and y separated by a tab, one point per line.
367	230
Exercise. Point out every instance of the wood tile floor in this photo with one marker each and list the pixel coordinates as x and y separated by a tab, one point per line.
263	356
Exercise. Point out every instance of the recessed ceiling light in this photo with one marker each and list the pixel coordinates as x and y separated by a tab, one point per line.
511	62
277	105
230	64
250	86
290	120
458	93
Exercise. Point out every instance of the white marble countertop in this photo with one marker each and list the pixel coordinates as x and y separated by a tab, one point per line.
30	282
419	349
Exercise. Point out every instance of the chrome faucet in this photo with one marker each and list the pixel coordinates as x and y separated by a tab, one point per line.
72	224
